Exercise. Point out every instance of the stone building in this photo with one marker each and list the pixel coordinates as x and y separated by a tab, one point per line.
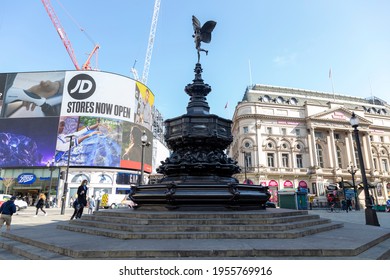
290	138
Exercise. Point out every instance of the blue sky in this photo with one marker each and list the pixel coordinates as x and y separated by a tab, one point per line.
286	43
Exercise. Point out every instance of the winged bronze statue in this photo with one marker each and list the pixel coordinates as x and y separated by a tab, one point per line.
202	33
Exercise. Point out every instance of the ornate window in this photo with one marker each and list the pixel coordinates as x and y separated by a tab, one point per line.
385	166
356	156
247	144
248	159
271	159
299	161
293	101
285	162
279	100
266	98
320	156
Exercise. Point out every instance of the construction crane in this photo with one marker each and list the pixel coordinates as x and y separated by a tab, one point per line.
65	40
149	50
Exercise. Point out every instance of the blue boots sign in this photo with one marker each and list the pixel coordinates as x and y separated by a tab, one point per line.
26	178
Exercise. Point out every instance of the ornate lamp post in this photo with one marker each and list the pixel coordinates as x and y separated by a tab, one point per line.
63	199
371	217
352	170
145	143
245	165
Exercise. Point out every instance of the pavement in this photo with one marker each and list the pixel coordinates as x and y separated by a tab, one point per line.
354	233
25	217
355	217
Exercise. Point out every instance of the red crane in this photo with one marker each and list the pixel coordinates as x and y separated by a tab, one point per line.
64	38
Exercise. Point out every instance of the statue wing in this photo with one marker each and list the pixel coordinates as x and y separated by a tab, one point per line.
195	23
206	30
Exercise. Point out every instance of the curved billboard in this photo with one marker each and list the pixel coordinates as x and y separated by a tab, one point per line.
98	116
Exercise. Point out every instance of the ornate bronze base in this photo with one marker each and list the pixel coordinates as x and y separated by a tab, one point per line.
202	194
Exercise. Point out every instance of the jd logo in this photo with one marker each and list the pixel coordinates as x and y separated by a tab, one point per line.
81	86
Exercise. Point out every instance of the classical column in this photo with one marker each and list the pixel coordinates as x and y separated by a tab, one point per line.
367	151
332	149
350	149
312	148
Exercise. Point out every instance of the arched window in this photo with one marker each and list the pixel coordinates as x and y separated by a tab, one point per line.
105	179
79	178
320	156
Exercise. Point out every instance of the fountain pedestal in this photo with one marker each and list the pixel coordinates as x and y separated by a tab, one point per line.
198	172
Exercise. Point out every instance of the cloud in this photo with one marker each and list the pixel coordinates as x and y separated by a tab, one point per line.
285	59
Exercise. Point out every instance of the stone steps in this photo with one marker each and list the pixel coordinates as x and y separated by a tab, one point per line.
195	230
79	240
20	250
200	225
189	233
211	220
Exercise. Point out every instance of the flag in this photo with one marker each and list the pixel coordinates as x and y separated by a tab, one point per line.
226	104
330	73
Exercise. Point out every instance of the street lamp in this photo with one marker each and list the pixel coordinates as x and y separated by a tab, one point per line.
371	217
63	198
352	170
145	143
52	167
245	165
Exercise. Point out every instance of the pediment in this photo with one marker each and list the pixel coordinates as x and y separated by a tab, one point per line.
340	114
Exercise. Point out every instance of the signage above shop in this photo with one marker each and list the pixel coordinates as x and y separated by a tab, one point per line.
26	178
288	184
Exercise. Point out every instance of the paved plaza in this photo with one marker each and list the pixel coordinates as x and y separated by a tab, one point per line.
25	225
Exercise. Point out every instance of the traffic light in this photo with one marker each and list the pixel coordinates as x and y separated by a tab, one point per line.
62	175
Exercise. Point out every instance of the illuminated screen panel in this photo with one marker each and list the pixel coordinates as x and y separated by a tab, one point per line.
27	143
97	109
37	94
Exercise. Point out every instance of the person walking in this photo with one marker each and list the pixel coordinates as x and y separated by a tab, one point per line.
91	205
7	209
82	197
41	204
76	206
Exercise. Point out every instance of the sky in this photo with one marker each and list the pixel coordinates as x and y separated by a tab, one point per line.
286	43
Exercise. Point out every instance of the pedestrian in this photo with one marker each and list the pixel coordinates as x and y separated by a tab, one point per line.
349	204
82	197
71	201
91	204
76	206
7	209
40	204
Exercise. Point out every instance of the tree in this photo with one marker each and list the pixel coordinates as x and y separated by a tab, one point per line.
8	182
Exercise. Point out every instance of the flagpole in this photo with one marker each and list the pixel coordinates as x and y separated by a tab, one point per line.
331	79
250	72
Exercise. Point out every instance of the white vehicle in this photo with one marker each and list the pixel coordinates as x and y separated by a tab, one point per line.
112	200
20	204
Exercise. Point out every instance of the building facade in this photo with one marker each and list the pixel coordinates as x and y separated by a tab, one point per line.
289	138
87	122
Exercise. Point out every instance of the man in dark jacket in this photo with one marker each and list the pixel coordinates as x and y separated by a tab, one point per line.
82	197
7	209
